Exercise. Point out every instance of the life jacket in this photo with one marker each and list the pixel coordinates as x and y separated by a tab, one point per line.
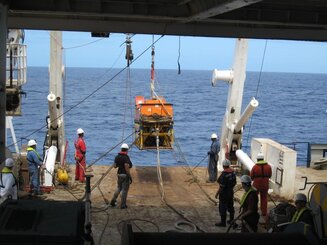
298	214
37	154
227	178
7	170
244	197
79	144
265	170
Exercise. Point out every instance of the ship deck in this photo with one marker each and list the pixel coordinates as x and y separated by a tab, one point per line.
187	197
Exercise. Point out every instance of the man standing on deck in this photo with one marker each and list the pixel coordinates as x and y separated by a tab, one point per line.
260	174
8	182
34	165
80	151
213	158
226	181
124	179
249	206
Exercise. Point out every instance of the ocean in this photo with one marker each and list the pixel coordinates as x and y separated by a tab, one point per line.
292	110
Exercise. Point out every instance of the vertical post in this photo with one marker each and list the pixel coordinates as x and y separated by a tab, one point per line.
87	223
3	53
55	87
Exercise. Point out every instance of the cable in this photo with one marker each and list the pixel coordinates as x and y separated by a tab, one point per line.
92	93
104	154
257	90
179	55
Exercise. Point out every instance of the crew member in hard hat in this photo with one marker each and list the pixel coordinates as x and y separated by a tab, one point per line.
124	179
8	182
80	151
303	213
213	158
226	181
34	167
249	206
260	174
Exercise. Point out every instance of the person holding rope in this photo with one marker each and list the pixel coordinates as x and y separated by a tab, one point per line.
226	181
124	178
213	158
249	206
80	151
35	164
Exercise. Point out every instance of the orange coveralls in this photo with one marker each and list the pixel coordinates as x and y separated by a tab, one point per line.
80	150
260	174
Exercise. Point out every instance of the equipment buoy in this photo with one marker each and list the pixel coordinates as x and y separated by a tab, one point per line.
62	176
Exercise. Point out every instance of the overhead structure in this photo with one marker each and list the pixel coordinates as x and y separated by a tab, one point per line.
153	119
268	19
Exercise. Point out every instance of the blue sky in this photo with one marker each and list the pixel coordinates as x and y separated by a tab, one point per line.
196	53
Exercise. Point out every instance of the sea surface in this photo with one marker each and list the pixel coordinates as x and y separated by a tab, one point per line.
292	110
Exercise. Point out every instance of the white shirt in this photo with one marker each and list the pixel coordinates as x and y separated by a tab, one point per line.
8	186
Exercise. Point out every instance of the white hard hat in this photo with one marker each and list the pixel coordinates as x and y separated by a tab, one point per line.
213	136
31	143
226	162
80	131
300	197
246	179
9	162
124	146
260	156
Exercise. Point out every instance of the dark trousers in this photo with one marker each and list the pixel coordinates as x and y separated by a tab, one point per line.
123	187
226	203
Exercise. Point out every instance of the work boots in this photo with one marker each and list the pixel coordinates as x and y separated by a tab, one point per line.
231	218
113	203
222	222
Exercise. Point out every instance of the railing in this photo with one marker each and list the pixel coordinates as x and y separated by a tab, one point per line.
16	65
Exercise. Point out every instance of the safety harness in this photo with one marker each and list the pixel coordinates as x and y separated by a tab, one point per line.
298	214
37	154
79	149
261	163
246	195
6	170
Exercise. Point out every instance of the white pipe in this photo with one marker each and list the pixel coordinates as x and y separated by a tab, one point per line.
245	159
246	114
53	111
50	160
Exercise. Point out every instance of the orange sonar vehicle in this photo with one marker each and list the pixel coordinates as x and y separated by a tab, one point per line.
153	120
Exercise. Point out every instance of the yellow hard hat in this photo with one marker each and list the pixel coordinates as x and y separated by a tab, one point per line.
62	176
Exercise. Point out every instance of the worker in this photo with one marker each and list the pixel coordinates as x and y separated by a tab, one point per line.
302	213
213	158
260	174
8	182
227	181
124	179
34	167
80	151
249	206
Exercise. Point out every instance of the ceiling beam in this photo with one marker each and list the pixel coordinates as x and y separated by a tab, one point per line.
220	8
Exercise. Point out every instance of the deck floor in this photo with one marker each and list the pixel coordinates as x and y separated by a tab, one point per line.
187	196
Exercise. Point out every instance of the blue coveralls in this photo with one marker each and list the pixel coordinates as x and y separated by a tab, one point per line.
34	161
213	160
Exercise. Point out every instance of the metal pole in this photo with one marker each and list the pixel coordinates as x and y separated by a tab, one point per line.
3	40
87	223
